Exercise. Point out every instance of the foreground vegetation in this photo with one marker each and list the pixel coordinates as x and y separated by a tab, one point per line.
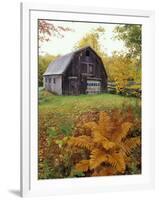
88	135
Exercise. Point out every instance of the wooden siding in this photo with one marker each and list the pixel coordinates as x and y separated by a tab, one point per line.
53	83
84	68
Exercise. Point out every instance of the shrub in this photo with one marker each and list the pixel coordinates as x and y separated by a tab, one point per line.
109	142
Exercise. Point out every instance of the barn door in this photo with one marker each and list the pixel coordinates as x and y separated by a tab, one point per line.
73	86
83	85
93	86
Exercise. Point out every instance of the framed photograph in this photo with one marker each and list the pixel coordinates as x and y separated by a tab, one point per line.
87	99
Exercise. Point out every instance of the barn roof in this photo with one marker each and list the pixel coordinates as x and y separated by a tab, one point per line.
59	65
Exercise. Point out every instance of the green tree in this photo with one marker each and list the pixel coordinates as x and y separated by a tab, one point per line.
131	35
42	66
92	39
121	69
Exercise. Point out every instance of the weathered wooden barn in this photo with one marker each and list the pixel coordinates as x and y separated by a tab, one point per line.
79	72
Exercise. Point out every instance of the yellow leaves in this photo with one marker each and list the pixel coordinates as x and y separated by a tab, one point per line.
119	162
122	132
98	132
96	158
91	125
121	69
103	141
104	123
105	171
108	143
131	143
125	128
82	166
82	142
116	160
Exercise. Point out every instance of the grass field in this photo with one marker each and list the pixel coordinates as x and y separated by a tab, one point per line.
66	109
60	118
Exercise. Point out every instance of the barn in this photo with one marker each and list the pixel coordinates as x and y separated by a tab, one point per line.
79	72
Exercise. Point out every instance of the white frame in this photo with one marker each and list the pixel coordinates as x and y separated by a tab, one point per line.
30	186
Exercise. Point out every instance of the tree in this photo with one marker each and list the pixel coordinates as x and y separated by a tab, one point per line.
92	39
46	30
43	64
131	35
121	69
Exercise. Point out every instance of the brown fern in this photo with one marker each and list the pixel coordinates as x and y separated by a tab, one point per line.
82	142
109	145
83	165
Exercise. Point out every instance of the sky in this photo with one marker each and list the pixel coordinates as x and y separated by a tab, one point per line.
64	45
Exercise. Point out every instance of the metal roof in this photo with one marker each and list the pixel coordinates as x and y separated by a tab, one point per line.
59	65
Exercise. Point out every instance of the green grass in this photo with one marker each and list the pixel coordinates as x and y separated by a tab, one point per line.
83	103
63	111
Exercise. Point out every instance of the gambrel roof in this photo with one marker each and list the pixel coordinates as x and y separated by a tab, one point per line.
59	65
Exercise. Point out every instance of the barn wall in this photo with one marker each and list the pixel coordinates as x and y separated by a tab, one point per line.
76	69
65	85
52	86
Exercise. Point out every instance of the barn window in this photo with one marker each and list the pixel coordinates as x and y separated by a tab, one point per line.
54	80
84	68
90	69
49	80
87	53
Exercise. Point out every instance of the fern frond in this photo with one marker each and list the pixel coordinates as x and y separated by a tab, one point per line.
130	144
100	139
105	124
106	171
119	135
96	158
120	162
93	126
116	160
107	144
82	142
97	137
82	166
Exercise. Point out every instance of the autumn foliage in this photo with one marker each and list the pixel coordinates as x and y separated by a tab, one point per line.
102	144
47	29
109	146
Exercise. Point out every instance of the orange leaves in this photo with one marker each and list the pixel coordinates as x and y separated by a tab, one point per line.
91	125
82	166
122	132
82	142
104	123
108	143
125	127
101	130
119	162
106	171
97	157
131	143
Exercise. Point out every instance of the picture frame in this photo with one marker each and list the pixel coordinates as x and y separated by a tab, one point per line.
30	185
